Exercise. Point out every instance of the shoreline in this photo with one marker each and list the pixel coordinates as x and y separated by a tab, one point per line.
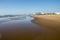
16	30
51	22
46	20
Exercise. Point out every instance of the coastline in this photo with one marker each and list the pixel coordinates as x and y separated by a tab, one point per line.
47	20
51	22
23	29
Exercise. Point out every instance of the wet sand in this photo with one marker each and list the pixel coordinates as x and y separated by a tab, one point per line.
26	29
51	22
22	29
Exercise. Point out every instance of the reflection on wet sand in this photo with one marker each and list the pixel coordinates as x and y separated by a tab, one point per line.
26	30
20	30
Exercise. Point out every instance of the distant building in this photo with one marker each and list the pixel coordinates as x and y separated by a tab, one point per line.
34	13
42	13
57	13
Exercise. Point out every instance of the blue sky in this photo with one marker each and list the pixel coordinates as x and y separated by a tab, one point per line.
28	6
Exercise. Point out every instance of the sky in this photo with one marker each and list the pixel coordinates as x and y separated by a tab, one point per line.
28	6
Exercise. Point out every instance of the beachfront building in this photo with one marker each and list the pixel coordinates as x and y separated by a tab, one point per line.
42	13
58	13
34	13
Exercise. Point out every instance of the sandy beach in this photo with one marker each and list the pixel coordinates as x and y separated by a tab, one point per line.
38	27
51	22
48	20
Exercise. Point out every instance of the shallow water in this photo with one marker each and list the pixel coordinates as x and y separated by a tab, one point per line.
21	28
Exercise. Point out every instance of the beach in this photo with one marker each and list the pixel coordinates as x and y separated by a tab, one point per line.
51	22
20	28
48	20
28	28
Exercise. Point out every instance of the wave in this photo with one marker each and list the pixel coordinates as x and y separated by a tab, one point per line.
2	16
7	19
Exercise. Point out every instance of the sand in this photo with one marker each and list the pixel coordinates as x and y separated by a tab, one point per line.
52	22
48	20
41	27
